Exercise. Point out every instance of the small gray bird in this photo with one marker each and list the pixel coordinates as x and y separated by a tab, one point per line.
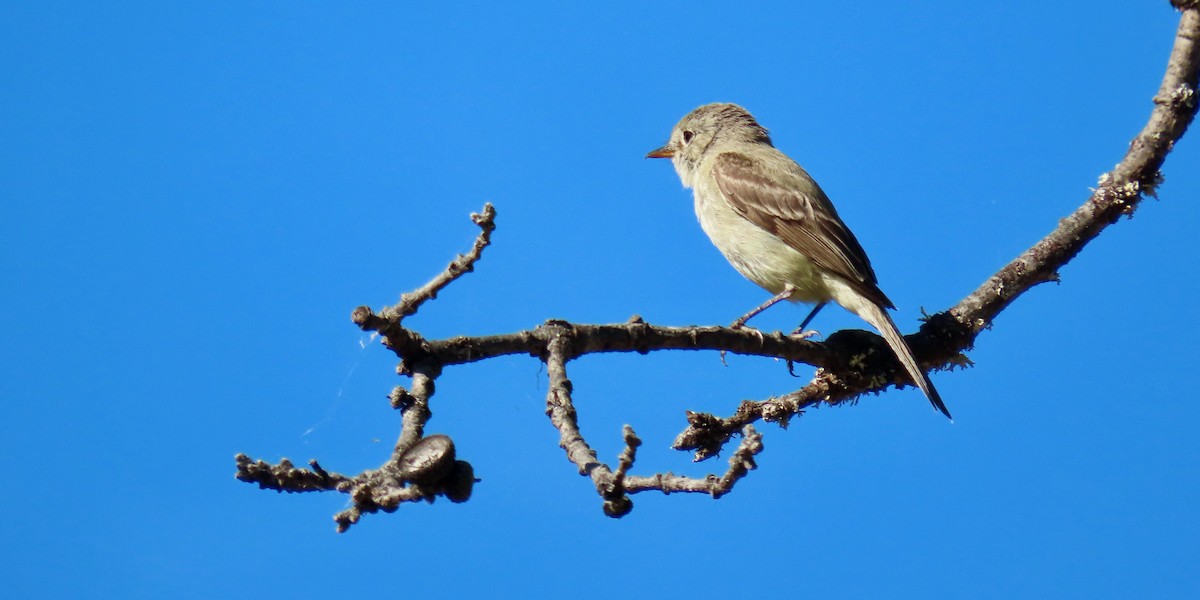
775	225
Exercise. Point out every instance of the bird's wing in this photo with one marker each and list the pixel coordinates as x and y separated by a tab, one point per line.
798	212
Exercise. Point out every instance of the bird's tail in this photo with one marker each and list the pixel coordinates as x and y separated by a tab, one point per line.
878	317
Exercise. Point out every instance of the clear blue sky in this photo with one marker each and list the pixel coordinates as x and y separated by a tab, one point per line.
196	195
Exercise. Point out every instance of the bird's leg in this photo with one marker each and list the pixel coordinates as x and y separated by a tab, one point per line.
776	299
800	330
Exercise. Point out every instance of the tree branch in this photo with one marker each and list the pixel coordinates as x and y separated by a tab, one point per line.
1119	192
850	363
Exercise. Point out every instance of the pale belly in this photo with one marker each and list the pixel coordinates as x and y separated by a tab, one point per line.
758	255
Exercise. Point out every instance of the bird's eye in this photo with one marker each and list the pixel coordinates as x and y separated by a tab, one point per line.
687	136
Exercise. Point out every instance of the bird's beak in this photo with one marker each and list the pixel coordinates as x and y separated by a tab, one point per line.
664	152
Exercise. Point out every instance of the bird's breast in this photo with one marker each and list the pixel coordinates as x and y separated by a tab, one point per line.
756	253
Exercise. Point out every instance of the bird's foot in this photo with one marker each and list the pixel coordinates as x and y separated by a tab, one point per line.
804	335
741	324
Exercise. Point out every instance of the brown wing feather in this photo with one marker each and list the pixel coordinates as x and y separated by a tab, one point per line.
800	214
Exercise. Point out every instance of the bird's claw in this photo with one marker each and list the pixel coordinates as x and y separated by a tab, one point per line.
804	335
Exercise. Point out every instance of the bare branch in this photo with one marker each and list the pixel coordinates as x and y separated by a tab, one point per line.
634	336
285	477
614	486
741	463
1119	192
851	363
461	265
628	455
416	410
561	408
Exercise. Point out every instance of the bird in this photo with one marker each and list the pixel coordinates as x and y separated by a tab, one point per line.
776	226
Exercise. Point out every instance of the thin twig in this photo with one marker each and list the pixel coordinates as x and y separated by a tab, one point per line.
561	410
463	264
